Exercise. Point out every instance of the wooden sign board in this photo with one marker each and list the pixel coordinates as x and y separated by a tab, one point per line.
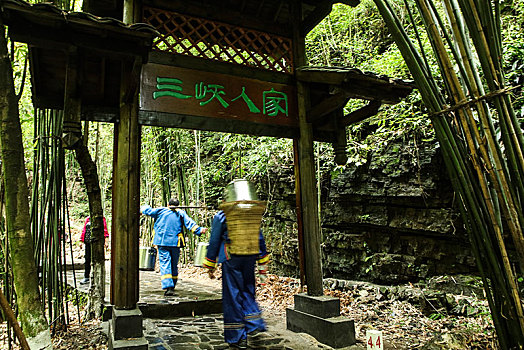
183	91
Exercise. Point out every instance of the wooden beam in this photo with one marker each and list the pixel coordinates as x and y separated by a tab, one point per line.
36	78
260	6
100	114
277	12
362	113
318	76
322	9
357	84
170	120
225	14
103	8
219	67
54	38
328	105
175	120
386	94
133	81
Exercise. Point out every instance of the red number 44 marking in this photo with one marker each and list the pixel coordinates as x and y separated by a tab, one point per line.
370	342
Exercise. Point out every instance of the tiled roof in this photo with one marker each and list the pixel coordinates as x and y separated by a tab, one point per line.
50	9
346	73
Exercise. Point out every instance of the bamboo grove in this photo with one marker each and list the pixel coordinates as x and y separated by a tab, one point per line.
171	168
480	136
48	217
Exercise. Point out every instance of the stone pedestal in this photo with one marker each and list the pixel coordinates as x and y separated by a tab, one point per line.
126	331
320	318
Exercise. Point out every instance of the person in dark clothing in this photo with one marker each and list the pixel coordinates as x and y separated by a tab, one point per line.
242	315
86	239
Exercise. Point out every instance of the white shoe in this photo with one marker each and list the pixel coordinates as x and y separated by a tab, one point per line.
84	281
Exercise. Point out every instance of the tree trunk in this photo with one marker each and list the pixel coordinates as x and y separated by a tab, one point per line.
21	247
89	172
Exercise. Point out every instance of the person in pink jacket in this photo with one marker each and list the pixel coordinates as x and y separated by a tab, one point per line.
86	239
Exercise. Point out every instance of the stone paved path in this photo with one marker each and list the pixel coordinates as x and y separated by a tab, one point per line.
206	332
192	319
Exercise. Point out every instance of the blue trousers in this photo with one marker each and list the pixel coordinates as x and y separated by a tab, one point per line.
241	312
168	261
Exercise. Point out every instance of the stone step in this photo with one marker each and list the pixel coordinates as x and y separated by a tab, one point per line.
336	332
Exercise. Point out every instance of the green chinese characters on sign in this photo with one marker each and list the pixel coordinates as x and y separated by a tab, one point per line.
169	87
274	102
214	90
250	104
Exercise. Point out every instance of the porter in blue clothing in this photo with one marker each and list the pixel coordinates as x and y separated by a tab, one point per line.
169	238
241	312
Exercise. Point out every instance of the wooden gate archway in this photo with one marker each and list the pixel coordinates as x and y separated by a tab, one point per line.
233	66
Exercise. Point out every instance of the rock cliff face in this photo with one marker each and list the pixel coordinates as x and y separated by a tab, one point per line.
390	220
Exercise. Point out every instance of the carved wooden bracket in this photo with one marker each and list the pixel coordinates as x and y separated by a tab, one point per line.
72	127
360	114
327	106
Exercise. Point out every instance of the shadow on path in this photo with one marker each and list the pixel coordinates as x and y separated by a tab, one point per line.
192	318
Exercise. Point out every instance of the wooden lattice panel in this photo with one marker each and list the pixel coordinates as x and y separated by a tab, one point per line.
198	37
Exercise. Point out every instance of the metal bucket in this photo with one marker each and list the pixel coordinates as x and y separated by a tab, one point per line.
146	258
200	254
240	190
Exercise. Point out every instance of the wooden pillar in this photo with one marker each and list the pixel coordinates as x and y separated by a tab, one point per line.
300	228
126	196
306	171
126	183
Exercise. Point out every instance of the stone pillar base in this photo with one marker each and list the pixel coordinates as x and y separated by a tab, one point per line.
128	344
125	330
320	318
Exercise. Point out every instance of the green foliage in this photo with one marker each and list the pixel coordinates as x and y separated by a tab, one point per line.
357	37
513	42
436	316
230	156
75	296
349	36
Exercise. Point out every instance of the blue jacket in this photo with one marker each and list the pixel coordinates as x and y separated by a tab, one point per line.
217	249
168	225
